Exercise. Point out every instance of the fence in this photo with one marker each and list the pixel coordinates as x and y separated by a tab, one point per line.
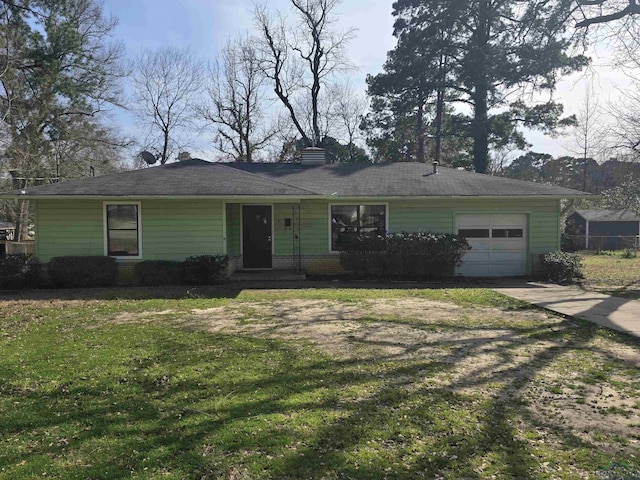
8	247
598	243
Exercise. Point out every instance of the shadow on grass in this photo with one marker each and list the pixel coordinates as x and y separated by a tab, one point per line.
630	290
130	401
230	290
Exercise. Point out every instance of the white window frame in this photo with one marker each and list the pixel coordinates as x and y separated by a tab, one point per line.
354	204
106	230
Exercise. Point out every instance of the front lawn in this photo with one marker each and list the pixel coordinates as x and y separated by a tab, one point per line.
612	273
310	384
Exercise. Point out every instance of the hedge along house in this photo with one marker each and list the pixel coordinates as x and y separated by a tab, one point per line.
293	216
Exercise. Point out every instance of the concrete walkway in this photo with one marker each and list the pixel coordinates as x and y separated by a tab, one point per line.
620	314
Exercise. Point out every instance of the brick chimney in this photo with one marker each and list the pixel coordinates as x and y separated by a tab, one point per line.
313	156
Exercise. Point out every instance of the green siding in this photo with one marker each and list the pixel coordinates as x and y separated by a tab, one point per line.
176	229
68	227
544	230
314	227
283	241
233	229
439	216
425	215
171	229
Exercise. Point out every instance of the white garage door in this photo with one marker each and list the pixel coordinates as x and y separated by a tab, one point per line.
498	245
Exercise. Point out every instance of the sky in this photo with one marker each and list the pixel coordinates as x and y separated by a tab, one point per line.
205	26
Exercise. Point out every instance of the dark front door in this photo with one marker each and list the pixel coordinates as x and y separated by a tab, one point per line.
256	236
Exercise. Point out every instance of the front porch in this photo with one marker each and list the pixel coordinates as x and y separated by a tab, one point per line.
263	236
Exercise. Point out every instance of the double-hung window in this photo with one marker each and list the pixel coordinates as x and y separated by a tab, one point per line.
349	221
122	230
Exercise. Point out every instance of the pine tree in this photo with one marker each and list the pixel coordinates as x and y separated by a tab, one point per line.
495	52
58	73
408	118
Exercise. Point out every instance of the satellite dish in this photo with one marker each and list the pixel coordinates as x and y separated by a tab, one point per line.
148	157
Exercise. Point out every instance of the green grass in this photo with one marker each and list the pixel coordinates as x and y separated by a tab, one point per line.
613	273
611	270
85	396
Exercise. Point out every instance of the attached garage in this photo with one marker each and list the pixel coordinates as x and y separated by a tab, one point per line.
498	244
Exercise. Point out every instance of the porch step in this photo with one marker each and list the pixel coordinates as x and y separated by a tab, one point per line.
266	276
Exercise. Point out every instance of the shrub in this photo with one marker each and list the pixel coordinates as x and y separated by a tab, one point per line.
70	272
404	255
206	269
570	243
628	253
18	271
562	267
158	272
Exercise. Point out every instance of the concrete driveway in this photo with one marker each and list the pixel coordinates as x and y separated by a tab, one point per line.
620	314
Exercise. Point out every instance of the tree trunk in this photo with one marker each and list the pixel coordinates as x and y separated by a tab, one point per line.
585	151
315	91
248	157
439	120
442	72
165	148
480	124
480	127
21	220
248	128
19	215
439	114
23	233
420	133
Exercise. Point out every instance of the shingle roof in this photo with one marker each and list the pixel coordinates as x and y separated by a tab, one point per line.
622	215
201	178
398	179
188	178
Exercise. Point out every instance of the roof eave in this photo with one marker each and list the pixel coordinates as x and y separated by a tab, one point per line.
143	197
445	197
287	197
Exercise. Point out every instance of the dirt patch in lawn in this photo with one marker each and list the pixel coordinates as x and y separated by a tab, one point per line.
549	365
398	328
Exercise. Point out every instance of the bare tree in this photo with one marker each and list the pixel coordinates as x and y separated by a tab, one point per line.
349	109
590	132
236	102
500	158
595	12
90	148
301	58
166	86
627	114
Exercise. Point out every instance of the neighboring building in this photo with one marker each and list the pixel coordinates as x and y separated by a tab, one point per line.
6	233
294	216
603	229
6	230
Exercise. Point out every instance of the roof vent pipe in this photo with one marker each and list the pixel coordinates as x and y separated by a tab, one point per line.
313	156
435	167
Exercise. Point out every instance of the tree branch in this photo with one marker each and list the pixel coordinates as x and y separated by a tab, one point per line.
632	8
